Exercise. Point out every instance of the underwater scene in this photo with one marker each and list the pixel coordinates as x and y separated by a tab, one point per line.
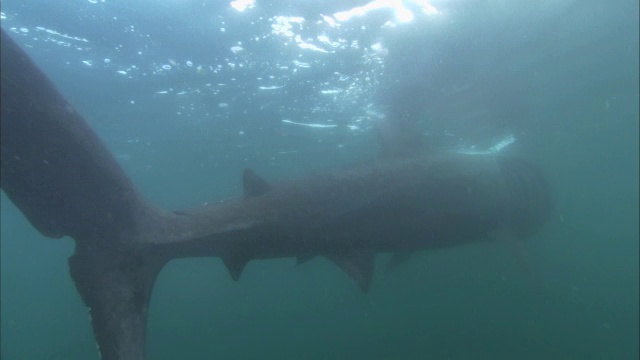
201	101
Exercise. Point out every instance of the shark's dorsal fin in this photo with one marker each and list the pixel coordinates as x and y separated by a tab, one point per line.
235	263
254	185
358	265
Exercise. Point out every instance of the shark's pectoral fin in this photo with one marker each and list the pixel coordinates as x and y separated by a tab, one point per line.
358	265
397	259
116	286
253	185
235	263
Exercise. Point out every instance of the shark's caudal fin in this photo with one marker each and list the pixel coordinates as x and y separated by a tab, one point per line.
116	286
60	175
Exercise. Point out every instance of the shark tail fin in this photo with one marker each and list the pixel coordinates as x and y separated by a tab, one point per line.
116	287
62	177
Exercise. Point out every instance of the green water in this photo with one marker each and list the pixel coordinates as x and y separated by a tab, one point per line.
579	301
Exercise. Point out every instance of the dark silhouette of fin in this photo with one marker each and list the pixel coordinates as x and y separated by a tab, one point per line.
253	185
358	265
235	264
116	287
57	171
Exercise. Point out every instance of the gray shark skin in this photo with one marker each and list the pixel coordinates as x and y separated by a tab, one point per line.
60	175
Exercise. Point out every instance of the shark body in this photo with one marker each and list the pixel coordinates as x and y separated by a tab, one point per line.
60	175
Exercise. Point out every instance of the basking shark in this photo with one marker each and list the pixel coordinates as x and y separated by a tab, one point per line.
59	173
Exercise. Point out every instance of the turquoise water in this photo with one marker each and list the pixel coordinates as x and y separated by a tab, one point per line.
560	76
